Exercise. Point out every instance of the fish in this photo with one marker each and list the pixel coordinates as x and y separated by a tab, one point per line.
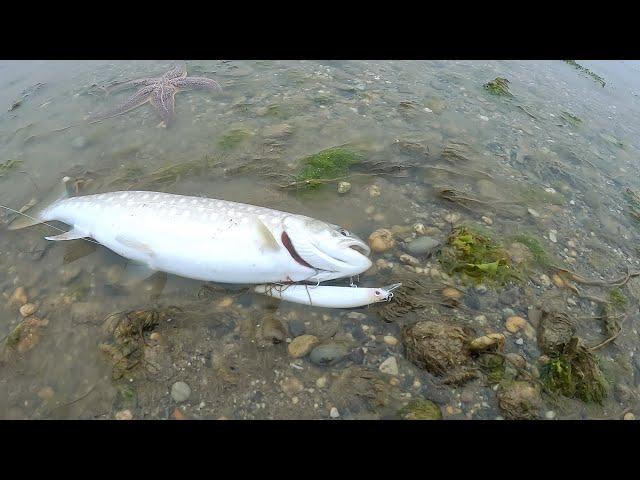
329	296
205	238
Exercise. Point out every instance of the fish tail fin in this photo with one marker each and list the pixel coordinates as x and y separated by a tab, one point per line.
34	215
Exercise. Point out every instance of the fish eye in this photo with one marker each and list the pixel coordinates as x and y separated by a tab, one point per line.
377	292
344	232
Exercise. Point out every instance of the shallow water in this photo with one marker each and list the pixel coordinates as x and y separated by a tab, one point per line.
405	113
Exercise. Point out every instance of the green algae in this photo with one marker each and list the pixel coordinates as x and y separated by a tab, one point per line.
498	86
476	256
233	138
633	203
618	300
575	373
540	256
493	366
420	409
582	69
333	163
8	165
570	118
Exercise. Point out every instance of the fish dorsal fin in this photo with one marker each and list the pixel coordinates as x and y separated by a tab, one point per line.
267	240
72	234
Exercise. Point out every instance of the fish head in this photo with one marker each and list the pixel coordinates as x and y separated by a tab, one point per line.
324	246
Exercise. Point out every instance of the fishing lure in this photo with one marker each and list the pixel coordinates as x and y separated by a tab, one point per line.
328	296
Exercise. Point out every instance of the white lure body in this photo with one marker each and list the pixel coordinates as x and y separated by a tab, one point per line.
212	240
328	296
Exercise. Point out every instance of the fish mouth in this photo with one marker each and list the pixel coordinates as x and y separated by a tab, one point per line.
355	243
361	248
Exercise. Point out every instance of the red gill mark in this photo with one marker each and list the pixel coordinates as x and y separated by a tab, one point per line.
286	241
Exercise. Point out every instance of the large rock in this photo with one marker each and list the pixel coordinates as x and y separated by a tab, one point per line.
436	347
555	330
422	246
519	400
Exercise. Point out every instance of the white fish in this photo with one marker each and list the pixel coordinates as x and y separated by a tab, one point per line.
329	296
209	239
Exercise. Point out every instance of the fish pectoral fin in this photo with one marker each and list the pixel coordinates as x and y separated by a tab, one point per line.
267	240
135	245
72	234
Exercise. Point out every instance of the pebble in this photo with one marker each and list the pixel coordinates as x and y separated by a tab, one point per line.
480	319
389	366
550	415
533	213
180	391
409	260
629	416
508	312
344	187
519	341
155	336
553	236
370	209
487	341
328	354
357	355
516	360
124	415
178	415
382	264
422	246
516	324
400	229
225	302
452	217
419	228
302	345
46	393
557	281
28	309
374	191
545	280
450	292
390	340
487	221
334	413
356	316
297	327
291	386
18	297
381	240
321	382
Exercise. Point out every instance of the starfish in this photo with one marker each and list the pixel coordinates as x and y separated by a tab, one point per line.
159	91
